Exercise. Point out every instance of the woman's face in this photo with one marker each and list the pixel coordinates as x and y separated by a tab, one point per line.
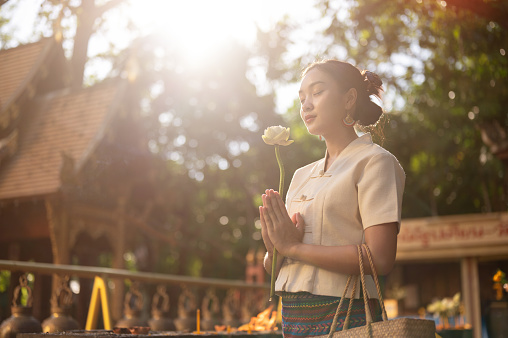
322	103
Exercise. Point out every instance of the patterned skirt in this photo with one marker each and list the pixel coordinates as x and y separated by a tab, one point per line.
305	314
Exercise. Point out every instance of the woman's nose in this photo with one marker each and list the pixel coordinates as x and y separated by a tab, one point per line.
307	106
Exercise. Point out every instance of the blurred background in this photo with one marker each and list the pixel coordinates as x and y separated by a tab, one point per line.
130	134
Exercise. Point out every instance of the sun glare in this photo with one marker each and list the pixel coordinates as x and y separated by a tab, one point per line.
198	27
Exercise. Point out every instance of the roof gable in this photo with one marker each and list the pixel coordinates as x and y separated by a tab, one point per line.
69	123
18	66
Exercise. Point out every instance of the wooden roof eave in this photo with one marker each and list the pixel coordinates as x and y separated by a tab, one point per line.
24	87
44	103
99	136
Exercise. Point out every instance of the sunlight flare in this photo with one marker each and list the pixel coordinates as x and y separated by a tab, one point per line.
197	27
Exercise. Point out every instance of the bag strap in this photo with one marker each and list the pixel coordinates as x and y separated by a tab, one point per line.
350	307
368	314
376	281
344	294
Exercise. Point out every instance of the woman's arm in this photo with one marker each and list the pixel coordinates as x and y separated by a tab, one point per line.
381	239
269	260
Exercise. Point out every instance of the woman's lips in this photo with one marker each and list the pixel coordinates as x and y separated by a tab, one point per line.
309	118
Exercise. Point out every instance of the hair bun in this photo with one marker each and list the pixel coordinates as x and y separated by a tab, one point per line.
373	83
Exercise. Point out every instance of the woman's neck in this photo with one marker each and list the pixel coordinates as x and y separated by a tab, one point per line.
335	144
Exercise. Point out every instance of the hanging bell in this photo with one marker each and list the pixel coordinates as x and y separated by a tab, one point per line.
160	311
231	309
61	305
210	309
133	305
21	319
186	308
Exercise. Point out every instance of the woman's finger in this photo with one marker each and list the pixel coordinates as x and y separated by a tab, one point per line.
279	210
267	219
268	211
262	218
264	230
300	224
281	204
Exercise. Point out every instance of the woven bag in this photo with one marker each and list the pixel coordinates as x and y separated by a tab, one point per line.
401	327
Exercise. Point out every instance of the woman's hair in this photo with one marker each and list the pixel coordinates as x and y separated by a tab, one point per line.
366	84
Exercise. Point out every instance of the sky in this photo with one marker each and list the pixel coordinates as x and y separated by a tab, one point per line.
197	26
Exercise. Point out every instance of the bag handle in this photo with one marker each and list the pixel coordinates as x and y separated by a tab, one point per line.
368	314
376	281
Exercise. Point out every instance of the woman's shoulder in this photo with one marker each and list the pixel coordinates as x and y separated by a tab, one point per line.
371	149
372	154
383	160
377	150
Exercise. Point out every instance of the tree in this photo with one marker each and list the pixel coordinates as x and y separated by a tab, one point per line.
209	122
447	67
203	127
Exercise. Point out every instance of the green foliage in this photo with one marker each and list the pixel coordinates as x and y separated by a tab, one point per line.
24	292
446	72
5	278
5	12
437	134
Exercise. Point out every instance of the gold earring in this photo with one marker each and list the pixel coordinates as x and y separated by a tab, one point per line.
348	120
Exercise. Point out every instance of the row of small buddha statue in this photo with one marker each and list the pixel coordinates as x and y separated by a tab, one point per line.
234	311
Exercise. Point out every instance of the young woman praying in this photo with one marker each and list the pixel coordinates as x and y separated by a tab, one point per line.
351	196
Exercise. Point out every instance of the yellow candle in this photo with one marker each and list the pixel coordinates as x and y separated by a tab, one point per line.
197	321
229	329
249	331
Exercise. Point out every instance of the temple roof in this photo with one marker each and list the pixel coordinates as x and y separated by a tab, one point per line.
64	122
18	66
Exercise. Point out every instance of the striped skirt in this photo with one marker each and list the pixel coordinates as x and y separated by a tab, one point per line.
305	314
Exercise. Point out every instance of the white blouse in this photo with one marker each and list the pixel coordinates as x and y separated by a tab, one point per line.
363	187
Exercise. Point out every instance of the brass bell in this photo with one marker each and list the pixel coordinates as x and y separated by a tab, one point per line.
210	308
133	304
61	304
187	306
21	319
231	309
160	311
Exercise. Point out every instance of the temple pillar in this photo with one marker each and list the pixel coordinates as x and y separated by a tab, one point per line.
471	294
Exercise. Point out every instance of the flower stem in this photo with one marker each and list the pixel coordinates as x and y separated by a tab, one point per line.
281	193
281	169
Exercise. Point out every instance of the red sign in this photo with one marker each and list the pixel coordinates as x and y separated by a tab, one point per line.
454	231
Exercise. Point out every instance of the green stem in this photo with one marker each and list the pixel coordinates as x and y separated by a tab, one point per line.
281	193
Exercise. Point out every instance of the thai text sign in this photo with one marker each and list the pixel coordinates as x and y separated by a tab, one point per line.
454	231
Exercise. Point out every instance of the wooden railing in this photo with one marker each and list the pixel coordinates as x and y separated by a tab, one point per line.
91	272
230	304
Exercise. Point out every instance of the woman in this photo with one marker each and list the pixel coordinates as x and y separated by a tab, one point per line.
351	196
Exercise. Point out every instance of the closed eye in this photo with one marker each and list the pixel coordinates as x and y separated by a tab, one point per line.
317	93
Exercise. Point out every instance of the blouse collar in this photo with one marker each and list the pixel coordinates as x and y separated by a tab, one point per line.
362	140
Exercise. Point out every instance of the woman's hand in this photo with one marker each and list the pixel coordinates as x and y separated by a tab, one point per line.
277	228
264	231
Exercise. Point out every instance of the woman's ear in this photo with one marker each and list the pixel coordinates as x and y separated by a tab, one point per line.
351	96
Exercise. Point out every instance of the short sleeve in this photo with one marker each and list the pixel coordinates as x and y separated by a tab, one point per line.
380	191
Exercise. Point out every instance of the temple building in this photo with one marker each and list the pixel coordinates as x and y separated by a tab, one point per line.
76	179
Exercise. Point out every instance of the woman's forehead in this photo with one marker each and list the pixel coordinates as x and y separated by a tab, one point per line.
314	77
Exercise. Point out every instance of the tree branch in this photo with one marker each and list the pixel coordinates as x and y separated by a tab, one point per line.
487	10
